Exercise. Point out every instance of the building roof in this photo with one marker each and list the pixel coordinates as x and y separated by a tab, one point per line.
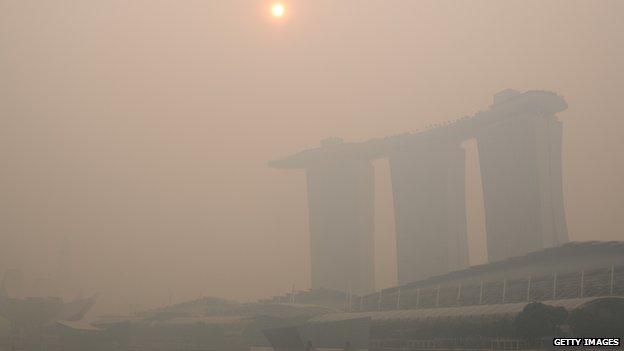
285	310
477	311
543	102
196	312
571	250
208	320
79	325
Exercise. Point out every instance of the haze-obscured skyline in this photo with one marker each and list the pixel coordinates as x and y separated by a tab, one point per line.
140	131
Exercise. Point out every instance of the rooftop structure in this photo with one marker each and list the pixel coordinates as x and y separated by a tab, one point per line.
574	270
519	143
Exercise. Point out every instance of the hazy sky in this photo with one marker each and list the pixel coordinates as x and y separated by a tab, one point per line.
140	130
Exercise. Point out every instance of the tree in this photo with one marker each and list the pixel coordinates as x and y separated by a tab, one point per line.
600	319
538	320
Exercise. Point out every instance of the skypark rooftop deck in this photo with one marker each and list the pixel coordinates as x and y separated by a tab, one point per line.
530	102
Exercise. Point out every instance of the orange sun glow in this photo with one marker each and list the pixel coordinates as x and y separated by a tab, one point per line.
278	10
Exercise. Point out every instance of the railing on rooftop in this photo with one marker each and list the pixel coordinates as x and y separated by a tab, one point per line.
608	281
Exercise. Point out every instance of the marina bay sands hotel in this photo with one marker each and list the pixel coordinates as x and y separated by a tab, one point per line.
519	146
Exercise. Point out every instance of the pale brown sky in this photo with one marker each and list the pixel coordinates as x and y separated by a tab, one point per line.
140	130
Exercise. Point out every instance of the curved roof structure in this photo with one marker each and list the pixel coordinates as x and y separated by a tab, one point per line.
208	320
571	250
282	310
478	311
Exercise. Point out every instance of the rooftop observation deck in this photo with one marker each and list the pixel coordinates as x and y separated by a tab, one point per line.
533	102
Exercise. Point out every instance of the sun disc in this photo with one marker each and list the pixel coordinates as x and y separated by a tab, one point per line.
278	10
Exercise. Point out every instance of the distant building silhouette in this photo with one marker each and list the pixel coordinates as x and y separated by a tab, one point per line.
341	214
519	142
522	182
